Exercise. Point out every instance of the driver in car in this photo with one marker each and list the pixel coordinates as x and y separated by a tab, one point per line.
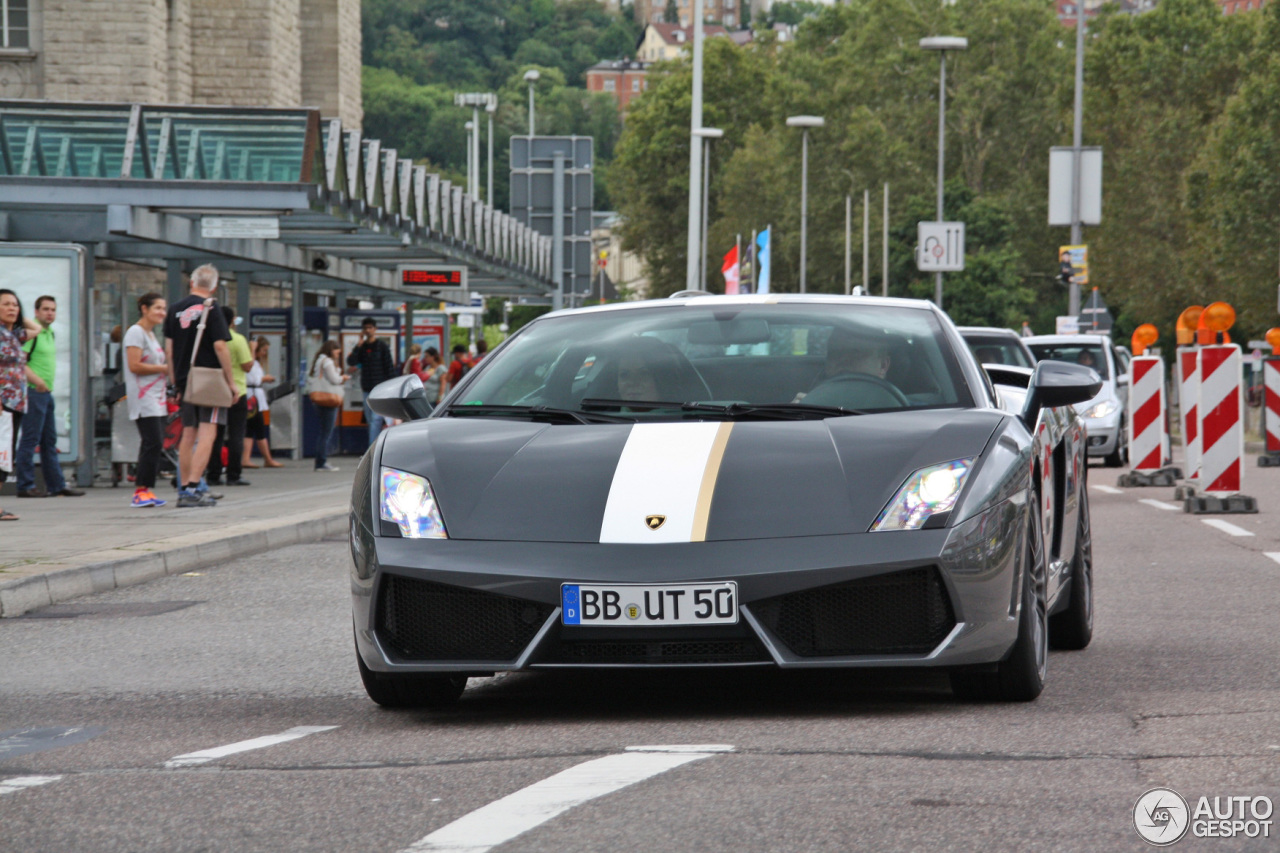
849	353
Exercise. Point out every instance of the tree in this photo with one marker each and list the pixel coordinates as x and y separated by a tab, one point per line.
671	15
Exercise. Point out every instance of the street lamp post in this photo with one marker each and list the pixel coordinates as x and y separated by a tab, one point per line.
471	129
695	151
491	109
706	134
942	44
531	77
475	100
804	122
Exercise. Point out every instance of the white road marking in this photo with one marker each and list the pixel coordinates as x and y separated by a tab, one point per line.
516	814
204	756
20	783
1108	490
1227	527
684	748
1275	555
1159	504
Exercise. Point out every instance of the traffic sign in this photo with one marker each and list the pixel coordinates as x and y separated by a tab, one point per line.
940	247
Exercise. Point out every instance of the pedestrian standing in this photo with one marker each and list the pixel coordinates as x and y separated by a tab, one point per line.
458	368
257	432
15	330
145	374
40	425
413	364
326	379
432	373
199	423
231	435
373	358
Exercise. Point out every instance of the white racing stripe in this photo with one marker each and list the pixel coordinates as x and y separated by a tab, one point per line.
1107	490
1227	527
204	756
668	470
516	814
21	783
1159	504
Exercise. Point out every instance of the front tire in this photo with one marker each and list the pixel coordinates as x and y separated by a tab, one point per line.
1073	628
1119	457
1019	677
416	690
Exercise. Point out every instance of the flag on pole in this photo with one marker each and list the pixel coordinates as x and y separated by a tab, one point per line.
762	258
730	270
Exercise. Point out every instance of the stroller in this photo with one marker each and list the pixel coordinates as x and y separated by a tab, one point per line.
124	440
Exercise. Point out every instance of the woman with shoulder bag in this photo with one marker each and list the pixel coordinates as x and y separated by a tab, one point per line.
325	391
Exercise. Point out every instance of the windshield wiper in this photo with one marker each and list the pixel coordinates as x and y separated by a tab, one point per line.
537	413
732	411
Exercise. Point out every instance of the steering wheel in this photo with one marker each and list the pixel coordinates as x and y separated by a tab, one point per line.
838	390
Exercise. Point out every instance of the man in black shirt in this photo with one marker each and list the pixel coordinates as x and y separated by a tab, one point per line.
199	423
373	358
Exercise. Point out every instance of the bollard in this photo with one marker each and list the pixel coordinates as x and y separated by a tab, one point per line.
1271	413
1221	432
1148	440
1188	414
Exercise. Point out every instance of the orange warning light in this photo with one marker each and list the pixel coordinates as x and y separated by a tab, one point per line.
1187	322
1143	337
1218	317
1273	338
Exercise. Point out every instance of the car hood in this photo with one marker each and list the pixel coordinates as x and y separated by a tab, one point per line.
664	483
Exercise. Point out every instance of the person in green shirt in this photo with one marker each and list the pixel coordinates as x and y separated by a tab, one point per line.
232	435
40	426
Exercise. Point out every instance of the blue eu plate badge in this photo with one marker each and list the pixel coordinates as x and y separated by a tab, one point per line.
569	603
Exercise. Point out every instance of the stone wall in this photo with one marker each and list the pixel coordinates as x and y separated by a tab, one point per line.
247	52
180	52
105	50
331	59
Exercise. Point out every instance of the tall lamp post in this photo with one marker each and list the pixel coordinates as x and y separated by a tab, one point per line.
531	77
695	152
942	44
475	100
471	129
706	134
805	122
491	109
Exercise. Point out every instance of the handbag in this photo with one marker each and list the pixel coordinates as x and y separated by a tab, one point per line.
206	386
324	399
6	441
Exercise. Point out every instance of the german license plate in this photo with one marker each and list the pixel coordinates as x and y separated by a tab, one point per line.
616	605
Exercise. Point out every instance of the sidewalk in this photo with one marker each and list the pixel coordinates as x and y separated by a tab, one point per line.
67	547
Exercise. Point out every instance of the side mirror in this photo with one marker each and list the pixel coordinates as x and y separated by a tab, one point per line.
1122	379
1060	383
403	398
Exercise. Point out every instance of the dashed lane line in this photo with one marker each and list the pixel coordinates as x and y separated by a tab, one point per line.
1227	527
1275	555
21	783
204	756
1107	490
516	814
1165	505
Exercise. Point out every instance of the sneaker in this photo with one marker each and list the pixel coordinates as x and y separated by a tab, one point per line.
189	499
203	489
146	498
327	467
239	481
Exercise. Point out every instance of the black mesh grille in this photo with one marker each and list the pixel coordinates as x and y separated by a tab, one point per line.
421	620
659	651
895	614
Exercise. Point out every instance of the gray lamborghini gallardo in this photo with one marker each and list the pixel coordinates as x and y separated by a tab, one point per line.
726	481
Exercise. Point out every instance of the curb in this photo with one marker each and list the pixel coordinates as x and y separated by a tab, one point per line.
41	590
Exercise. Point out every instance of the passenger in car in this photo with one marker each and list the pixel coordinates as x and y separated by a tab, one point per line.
849	353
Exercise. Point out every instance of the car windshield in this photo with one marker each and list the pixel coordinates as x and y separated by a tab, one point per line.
997	349
729	360
1090	355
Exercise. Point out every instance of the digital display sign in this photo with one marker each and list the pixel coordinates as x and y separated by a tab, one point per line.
442	277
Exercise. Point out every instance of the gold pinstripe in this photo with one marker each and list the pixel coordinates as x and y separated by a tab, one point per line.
702	511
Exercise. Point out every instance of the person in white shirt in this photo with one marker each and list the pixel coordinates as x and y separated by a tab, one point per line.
145	378
326	379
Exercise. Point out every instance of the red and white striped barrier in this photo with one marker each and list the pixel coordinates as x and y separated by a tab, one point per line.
1221	412
1271	402
1188	409
1147	438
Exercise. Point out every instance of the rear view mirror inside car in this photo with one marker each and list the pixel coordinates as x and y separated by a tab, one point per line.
740	330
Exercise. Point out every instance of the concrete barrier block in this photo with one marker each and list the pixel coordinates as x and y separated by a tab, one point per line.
18	597
69	583
103	575
217	551
184	559
283	536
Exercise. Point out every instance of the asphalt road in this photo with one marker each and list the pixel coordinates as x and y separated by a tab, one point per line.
100	698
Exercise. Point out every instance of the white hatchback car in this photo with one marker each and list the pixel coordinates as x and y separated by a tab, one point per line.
1105	415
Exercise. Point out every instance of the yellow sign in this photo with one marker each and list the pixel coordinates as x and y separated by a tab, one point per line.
1077	257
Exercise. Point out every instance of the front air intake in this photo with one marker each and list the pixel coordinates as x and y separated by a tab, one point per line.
424	621
902	613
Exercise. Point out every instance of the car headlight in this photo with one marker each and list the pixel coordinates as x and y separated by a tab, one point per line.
1101	410
407	500
926	493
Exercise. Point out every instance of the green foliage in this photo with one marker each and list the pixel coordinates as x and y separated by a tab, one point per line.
793	12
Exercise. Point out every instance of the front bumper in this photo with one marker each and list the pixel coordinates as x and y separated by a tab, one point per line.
1104	435
497	603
